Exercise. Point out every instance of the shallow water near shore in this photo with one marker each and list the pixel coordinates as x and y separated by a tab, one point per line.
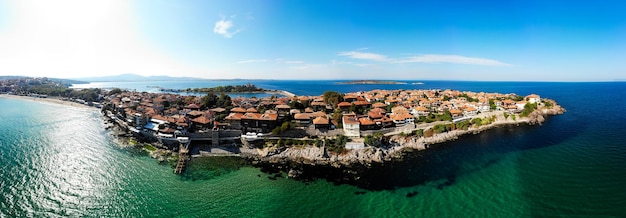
59	161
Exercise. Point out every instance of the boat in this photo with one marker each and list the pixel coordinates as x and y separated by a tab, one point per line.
250	136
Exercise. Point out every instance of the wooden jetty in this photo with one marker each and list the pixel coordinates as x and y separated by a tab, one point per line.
183	157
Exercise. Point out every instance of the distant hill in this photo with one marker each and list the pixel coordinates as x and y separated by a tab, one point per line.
58	80
13	77
134	78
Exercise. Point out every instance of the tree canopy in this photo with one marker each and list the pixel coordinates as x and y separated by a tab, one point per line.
333	98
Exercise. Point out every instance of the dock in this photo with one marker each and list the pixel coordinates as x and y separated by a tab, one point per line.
183	157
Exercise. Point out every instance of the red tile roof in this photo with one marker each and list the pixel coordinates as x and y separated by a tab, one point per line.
344	104
193	106
270	117
234	116
238	110
251	116
361	103
320	121
366	121
202	120
379	104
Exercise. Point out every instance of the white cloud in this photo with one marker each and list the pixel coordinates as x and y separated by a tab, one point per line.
364	55
76	38
223	26
252	61
294	62
455	59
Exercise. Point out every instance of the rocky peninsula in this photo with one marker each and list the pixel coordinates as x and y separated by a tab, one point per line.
342	132
393	147
299	134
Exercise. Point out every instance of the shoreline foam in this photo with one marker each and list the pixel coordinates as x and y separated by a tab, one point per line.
50	100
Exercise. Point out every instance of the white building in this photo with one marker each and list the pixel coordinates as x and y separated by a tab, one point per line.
351	126
533	98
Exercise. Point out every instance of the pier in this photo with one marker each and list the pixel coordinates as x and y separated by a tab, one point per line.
183	157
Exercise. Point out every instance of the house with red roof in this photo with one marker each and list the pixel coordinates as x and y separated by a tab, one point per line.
533	98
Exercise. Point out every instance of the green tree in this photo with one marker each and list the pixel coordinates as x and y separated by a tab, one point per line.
447	116
115	91
548	104
419	132
333	98
224	100
296	105
477	121
336	116
209	100
528	108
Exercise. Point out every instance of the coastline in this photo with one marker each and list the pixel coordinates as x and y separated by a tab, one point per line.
280	92
50	100
294	158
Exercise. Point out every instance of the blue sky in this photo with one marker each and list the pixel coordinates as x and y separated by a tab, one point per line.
425	40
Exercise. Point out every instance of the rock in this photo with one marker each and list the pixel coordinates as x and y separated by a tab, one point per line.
294	173
540	119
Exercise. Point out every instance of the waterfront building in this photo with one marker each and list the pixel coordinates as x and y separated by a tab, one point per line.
351	125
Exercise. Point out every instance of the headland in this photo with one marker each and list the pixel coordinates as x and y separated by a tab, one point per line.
342	131
339	130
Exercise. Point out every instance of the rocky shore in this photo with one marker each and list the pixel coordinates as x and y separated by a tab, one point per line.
296	159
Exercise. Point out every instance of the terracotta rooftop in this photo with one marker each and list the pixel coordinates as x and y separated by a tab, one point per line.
344	104
238	110
251	116
234	116
302	116
379	104
361	103
320	121
193	106
202	120
270	117
366	121
217	109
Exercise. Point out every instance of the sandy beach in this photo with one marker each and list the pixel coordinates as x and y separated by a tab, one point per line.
51	100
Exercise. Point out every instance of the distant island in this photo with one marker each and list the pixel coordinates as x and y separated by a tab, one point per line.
372	82
247	88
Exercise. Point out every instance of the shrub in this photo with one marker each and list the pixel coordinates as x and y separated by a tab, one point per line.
528	108
429	133
419	132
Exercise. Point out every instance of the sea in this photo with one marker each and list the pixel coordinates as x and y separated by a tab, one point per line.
59	161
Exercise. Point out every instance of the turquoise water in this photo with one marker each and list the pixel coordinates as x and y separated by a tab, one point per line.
59	161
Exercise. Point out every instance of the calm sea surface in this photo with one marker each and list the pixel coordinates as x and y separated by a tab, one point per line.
59	161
